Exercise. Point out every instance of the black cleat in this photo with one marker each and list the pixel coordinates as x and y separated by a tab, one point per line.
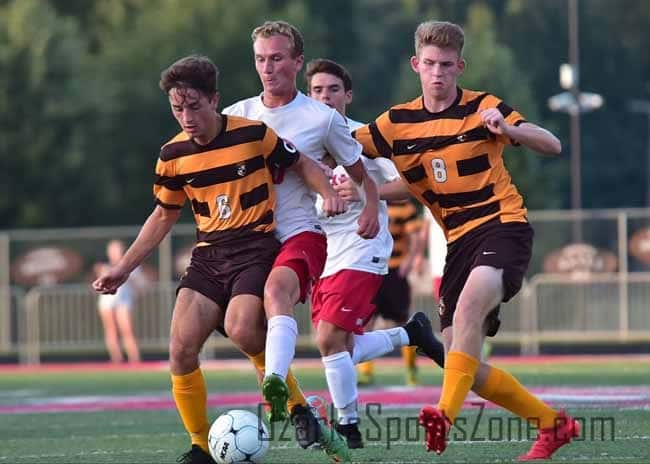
306	425
351	433
421	335
195	456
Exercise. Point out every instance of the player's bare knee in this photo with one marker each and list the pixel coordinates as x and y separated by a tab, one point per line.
183	353
331	340
467	323
277	298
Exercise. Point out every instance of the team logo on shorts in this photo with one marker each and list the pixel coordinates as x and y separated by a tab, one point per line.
441	307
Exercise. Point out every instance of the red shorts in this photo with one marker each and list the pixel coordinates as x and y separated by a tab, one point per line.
305	253
345	299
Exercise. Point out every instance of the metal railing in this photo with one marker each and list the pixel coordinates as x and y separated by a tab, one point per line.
551	308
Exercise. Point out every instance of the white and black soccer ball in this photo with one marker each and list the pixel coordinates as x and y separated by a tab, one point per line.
238	436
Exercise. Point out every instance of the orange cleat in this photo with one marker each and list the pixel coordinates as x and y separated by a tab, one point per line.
437	427
551	439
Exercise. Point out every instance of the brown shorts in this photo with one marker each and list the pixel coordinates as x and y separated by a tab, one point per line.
221	272
394	297
505	246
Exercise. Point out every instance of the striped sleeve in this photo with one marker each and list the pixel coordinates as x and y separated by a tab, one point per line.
279	153
373	137
510	115
168	188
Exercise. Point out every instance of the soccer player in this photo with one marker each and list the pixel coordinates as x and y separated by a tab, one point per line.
394	297
224	165
315	129
342	301
448	145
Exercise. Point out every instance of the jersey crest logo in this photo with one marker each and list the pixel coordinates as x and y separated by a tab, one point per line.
223	206
241	170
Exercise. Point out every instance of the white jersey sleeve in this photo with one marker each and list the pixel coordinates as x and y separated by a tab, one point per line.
340	143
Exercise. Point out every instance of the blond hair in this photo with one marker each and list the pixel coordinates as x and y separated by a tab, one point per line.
271	28
441	34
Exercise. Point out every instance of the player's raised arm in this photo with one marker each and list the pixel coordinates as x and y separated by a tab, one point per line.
525	133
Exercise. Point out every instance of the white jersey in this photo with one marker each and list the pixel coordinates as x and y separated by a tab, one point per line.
345	248
437	246
315	129
353	125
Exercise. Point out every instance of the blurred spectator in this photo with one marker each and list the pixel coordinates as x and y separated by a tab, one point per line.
115	310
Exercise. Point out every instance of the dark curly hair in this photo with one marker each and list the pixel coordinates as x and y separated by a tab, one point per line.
193	71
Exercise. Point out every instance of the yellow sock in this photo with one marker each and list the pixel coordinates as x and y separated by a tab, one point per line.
458	378
367	368
191	398
409	355
503	389
296	396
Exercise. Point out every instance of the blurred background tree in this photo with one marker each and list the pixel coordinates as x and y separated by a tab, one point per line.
83	117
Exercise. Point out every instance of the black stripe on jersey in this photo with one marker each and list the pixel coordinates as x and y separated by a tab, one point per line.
226	173
167	205
458	219
171	183
254	197
284	155
455	111
430	196
396	253
474	165
454	200
380	142
223	236
419	145
404	219
227	139
504	109
415	174
201	208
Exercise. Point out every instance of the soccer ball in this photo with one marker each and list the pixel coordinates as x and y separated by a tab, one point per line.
238	436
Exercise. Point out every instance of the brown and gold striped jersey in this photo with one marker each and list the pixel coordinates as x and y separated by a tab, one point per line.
403	221
449	160
229	181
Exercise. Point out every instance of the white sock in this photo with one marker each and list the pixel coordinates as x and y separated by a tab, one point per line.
342	382
371	345
281	335
377	343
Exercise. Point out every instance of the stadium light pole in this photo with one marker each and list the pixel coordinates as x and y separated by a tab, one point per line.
643	107
574	102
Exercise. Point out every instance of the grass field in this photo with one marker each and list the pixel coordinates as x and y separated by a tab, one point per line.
94	414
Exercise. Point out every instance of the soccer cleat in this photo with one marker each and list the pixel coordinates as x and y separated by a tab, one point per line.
420	333
306	425
351	433
195	456
333	444
412	376
276	393
550	439
437	427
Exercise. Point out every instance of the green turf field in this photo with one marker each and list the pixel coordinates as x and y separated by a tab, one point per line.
613	432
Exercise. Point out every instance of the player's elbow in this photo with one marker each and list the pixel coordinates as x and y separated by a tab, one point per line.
555	146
